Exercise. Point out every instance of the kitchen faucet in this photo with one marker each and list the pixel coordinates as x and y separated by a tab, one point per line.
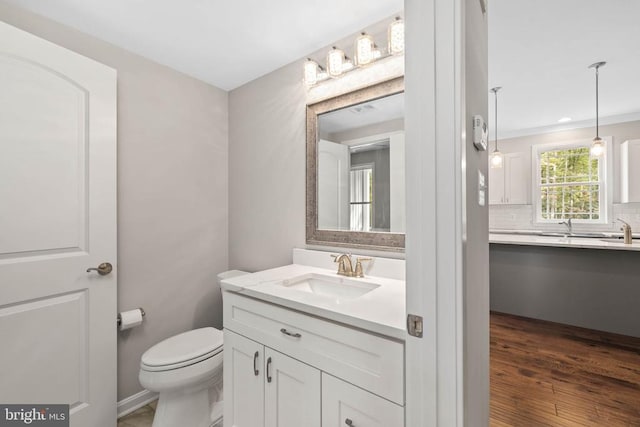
568	225
626	229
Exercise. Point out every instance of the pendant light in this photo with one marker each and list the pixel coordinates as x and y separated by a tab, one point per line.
597	146
496	156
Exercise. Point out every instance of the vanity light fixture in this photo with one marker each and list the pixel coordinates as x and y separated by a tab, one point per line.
311	69
564	120
365	52
335	62
597	146
364	49
497	157
396	36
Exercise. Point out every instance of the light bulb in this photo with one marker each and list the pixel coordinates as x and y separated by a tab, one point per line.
310	72
597	147
496	159
364	49
335	62
396	36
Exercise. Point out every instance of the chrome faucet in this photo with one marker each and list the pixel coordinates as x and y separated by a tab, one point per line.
568	225
626	229
345	265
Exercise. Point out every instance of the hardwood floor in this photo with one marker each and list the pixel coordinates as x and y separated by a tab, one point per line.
548	374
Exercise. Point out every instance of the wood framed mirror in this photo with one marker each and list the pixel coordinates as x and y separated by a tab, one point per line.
355	169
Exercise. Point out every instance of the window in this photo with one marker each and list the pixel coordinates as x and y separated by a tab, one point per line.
361	196
570	184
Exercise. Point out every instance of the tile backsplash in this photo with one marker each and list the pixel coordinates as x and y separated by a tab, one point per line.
520	217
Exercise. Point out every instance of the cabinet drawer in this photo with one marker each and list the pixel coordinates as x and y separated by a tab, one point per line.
364	359
344	404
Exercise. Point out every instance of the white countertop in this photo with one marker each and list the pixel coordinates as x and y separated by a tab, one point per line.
381	310
563	242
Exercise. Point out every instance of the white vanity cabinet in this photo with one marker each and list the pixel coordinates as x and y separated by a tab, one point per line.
630	171
266	388
509	185
311	371
346	405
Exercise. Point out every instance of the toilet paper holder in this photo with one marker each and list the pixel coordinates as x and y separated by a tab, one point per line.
119	321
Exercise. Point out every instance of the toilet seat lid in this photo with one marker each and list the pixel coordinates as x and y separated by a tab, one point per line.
183	347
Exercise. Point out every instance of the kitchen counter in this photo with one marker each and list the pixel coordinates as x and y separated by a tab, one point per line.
529	239
381	310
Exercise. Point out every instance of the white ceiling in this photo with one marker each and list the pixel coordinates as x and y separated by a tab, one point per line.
539	52
367	113
225	43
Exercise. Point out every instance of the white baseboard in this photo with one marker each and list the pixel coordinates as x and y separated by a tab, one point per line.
138	400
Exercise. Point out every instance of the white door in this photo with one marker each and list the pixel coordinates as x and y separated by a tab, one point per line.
333	186
345	405
57	218
292	392
243	381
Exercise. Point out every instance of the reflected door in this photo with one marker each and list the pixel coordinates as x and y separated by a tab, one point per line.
57	219
333	186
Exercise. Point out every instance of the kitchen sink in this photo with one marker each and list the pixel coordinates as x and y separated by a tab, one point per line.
619	240
581	235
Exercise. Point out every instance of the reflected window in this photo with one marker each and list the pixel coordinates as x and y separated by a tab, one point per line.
361	198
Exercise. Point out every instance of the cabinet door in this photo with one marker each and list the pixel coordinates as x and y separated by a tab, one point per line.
630	172
243	381
496	186
516	179
345	405
292	392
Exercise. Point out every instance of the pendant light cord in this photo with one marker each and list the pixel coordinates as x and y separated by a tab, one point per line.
495	132
597	103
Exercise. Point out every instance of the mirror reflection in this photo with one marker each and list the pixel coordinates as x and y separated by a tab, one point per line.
360	167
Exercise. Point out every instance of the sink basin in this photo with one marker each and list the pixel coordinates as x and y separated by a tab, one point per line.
331	286
588	235
619	240
583	235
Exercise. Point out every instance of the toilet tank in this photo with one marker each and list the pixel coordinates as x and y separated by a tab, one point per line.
229	274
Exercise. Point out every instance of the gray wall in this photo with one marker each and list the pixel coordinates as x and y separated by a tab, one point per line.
619	131
592	288
475	222
267	169
172	192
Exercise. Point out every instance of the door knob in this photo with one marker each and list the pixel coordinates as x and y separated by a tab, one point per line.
103	269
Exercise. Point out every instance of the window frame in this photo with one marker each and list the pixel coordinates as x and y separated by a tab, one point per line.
605	178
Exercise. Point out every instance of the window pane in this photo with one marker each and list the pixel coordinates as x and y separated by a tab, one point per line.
570	201
565	166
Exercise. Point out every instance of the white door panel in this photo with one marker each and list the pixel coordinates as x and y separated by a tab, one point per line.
44	117
57	218
333	186
244	381
292	392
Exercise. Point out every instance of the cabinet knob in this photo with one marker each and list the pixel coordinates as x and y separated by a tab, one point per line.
349	423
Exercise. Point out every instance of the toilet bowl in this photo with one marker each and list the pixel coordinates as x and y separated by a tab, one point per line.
186	371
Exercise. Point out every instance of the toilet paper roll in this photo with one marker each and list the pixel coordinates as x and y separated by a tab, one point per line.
130	319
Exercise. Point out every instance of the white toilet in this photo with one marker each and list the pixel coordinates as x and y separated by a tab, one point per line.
186	370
